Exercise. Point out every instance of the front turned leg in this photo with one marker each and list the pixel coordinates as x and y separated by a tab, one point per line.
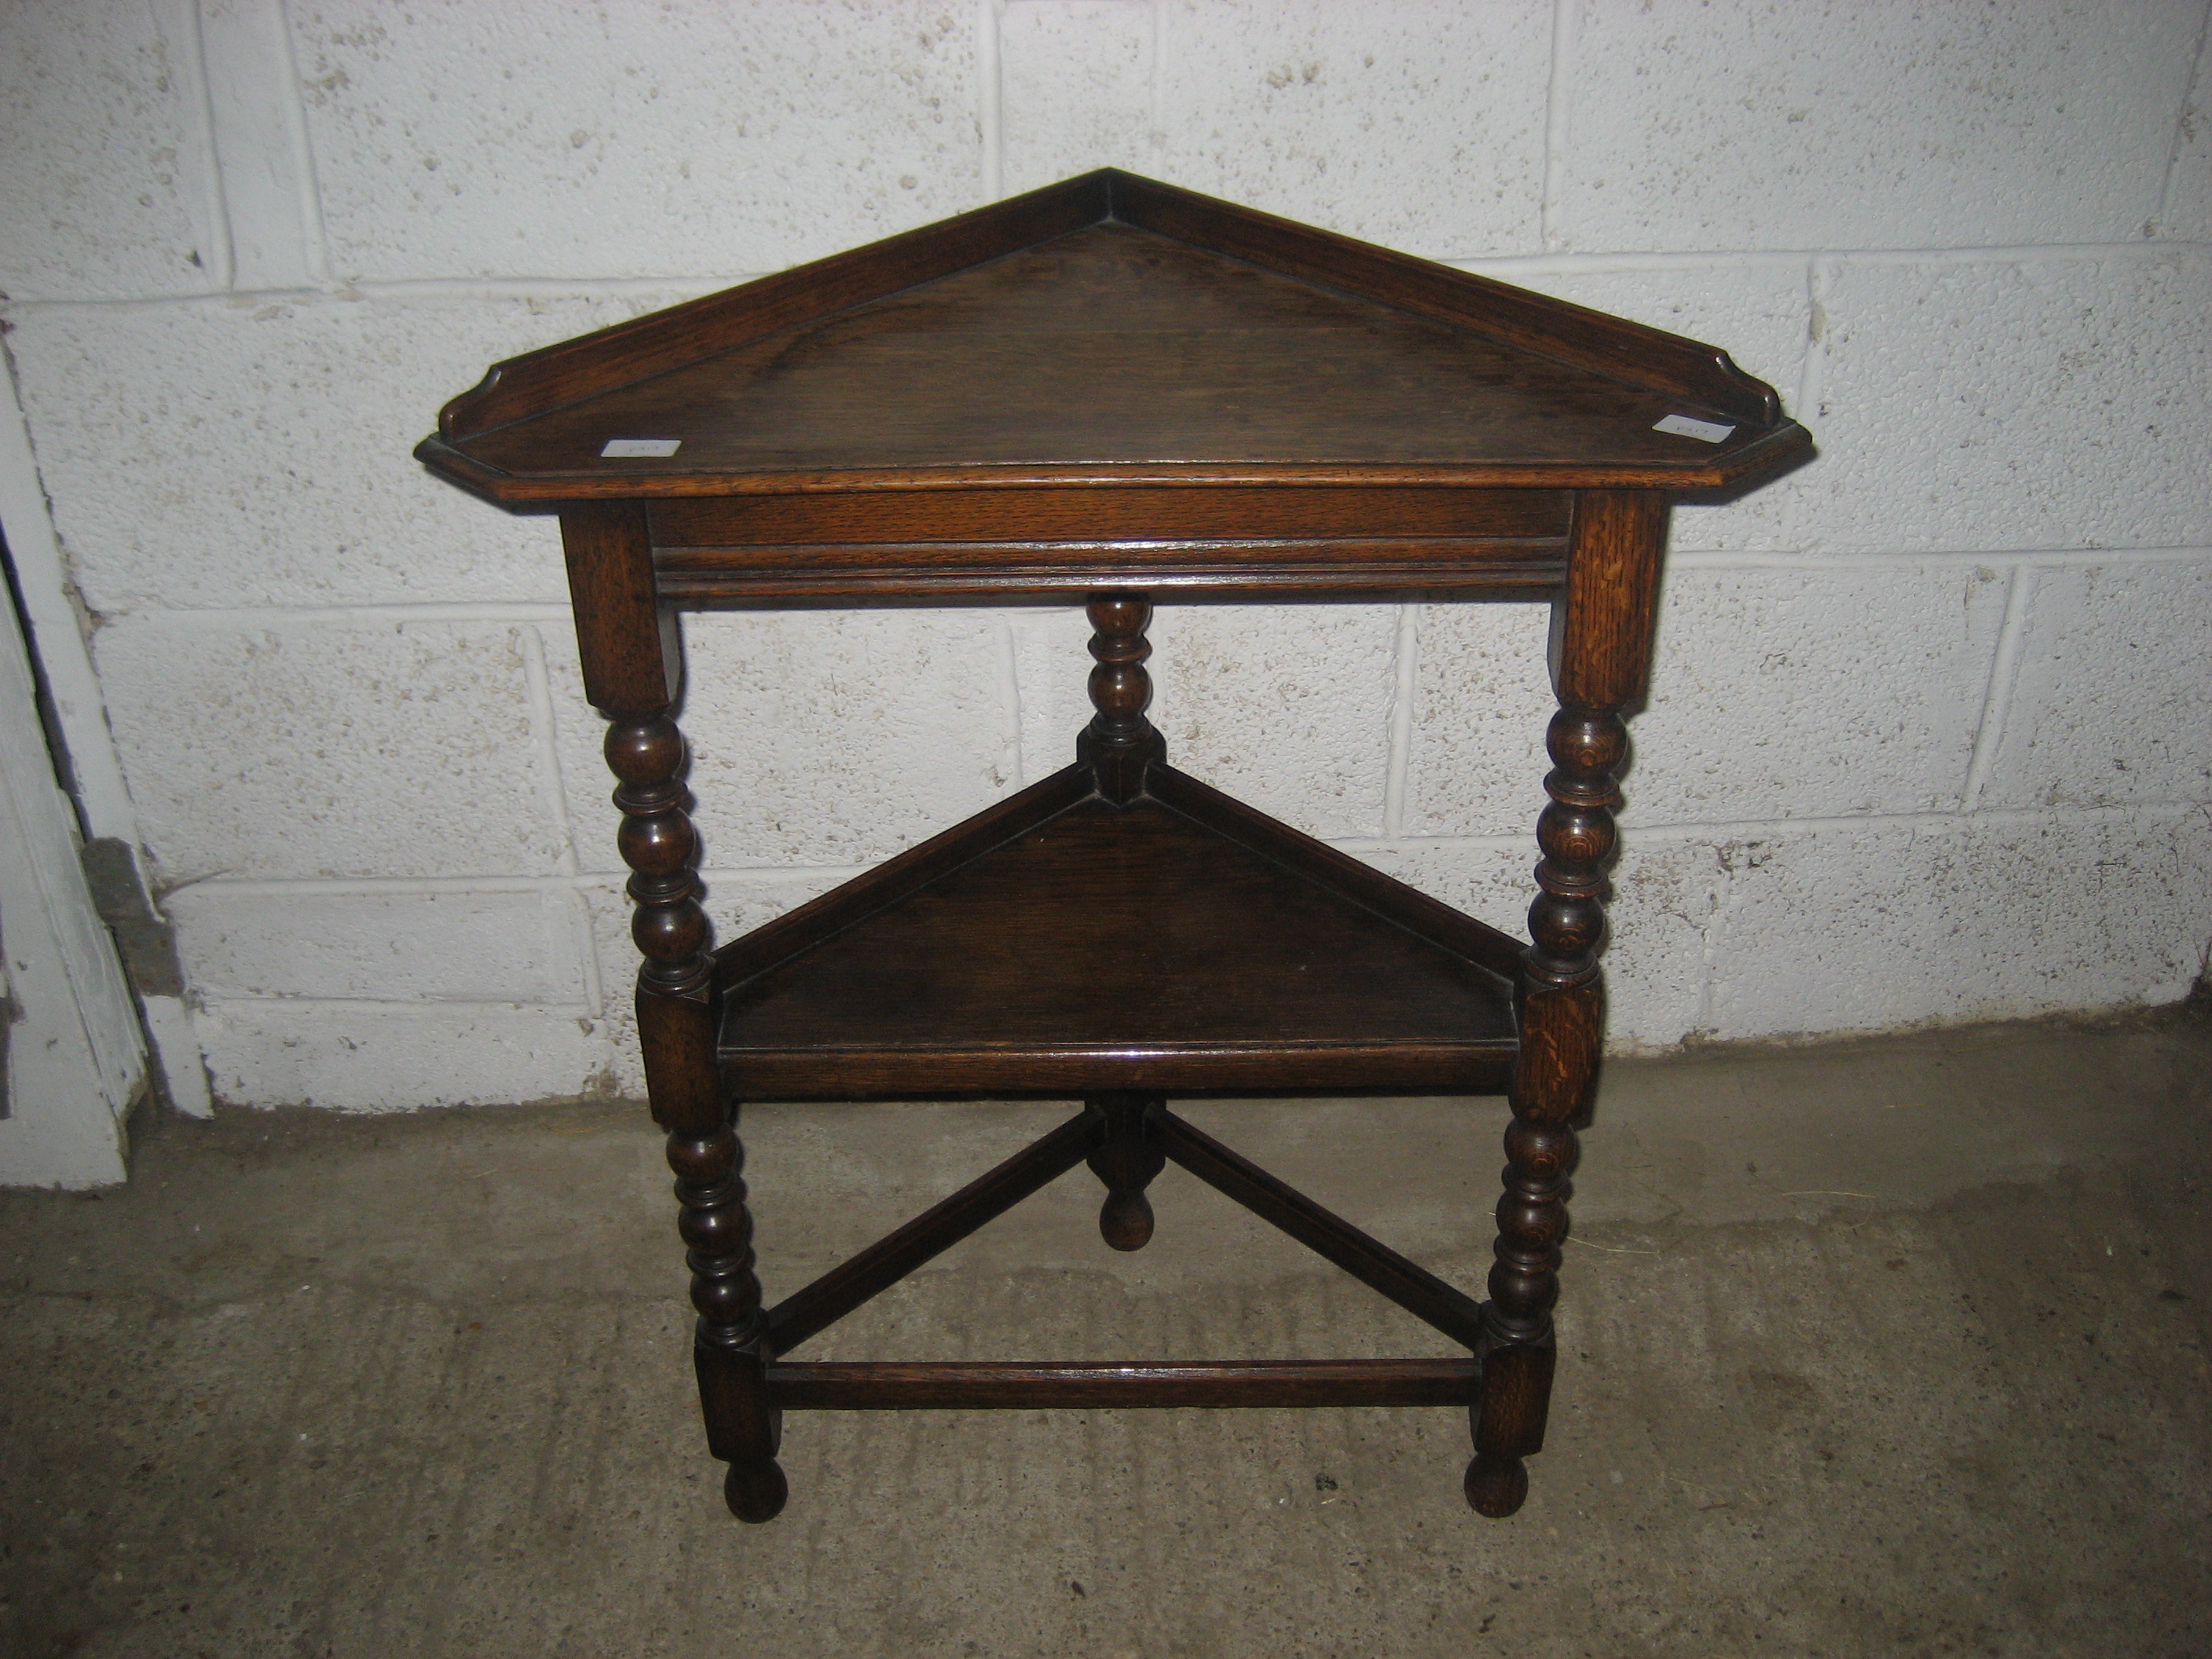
1601	653
731	1346
1561	1003
676	1032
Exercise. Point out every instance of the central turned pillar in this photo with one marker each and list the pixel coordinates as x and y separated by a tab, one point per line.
1120	743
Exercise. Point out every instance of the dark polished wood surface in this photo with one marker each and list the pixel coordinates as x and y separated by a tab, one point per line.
1107	345
1222	540
1118	948
943	1385
1127	332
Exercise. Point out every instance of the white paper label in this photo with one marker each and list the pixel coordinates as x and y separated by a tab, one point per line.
1683	426
630	449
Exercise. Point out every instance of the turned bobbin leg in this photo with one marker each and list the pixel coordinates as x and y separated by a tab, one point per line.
730	1348
629	662
676	1028
1602	652
1125	1161
1119	742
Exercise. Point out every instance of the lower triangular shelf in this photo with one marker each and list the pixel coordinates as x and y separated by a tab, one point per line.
1062	946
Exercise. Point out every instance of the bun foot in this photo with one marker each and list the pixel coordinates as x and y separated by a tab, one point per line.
1125	1220
756	1491
1495	1487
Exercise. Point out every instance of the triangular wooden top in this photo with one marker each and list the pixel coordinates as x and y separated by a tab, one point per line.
1112	328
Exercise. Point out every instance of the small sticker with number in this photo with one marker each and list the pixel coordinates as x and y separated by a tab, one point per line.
632	449
1684	426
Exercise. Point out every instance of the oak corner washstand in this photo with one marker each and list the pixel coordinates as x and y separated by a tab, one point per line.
1115	391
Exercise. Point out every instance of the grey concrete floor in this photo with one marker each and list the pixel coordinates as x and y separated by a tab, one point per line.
1892	1347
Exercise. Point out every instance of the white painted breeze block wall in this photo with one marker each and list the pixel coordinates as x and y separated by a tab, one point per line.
1930	735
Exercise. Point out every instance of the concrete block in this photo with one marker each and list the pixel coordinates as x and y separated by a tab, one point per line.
359	1057
2112	703
1865	928
1759	314
1285	706
240	453
694	138
1417	126
817	738
105	195
1481	700
2186	214
1659	944
1665	903
1052	677
1813	692
260	145
1771	124
337	750
2049	404
380	946
1078	89
607	910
